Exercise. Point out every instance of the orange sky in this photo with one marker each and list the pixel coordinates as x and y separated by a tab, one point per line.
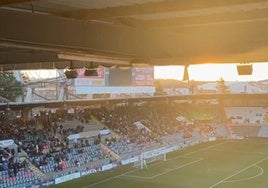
212	72
204	72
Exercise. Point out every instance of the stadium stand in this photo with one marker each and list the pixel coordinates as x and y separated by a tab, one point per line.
246	115
44	139
246	131
46	148
141	127
221	131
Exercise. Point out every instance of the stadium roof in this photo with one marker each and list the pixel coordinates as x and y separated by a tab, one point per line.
48	33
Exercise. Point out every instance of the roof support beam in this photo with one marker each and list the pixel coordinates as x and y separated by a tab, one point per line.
200	21
150	8
214	43
51	32
10	2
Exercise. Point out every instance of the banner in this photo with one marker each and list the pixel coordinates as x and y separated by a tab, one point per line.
67	178
6	143
143	76
130	160
47	183
88	172
100	70
87	134
89	82
212	138
139	125
83	80
108	166
104	131
180	118
157	152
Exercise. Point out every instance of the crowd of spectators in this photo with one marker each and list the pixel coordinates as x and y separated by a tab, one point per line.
137	127
157	120
246	115
42	142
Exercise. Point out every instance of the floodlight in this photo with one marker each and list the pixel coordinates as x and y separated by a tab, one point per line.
244	69
91	72
70	74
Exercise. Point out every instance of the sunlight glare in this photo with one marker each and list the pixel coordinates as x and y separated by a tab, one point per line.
212	72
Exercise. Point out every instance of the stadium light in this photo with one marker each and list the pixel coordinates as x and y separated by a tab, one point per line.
244	69
91	72
71	73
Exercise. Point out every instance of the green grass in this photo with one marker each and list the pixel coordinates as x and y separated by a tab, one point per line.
221	164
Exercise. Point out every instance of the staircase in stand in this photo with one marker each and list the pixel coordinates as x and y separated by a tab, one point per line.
111	152
37	171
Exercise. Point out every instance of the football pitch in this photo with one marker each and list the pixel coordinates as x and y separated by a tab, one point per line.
220	164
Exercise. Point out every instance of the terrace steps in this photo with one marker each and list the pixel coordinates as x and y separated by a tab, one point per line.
37	171
101	125
112	153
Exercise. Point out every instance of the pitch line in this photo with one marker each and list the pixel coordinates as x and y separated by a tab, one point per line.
131	171
108	179
260	153
204	149
165	171
238	172
249	178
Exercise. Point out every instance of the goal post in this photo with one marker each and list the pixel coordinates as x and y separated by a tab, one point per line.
145	160
157	155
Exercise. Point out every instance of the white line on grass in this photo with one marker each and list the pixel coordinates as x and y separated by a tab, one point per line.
248	178
204	149
238	172
241	142
173	158
245	152
108	179
165	172
131	171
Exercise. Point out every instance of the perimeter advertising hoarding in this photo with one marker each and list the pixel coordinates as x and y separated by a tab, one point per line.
143	76
83	80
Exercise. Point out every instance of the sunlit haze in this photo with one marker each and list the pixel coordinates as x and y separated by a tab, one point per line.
204	72
212	72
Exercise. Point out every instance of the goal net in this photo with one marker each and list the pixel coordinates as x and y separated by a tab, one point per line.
145	160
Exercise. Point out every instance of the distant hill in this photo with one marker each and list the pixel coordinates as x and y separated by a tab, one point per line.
211	86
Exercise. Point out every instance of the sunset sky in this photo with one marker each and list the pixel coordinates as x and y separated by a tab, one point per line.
212	72
204	72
